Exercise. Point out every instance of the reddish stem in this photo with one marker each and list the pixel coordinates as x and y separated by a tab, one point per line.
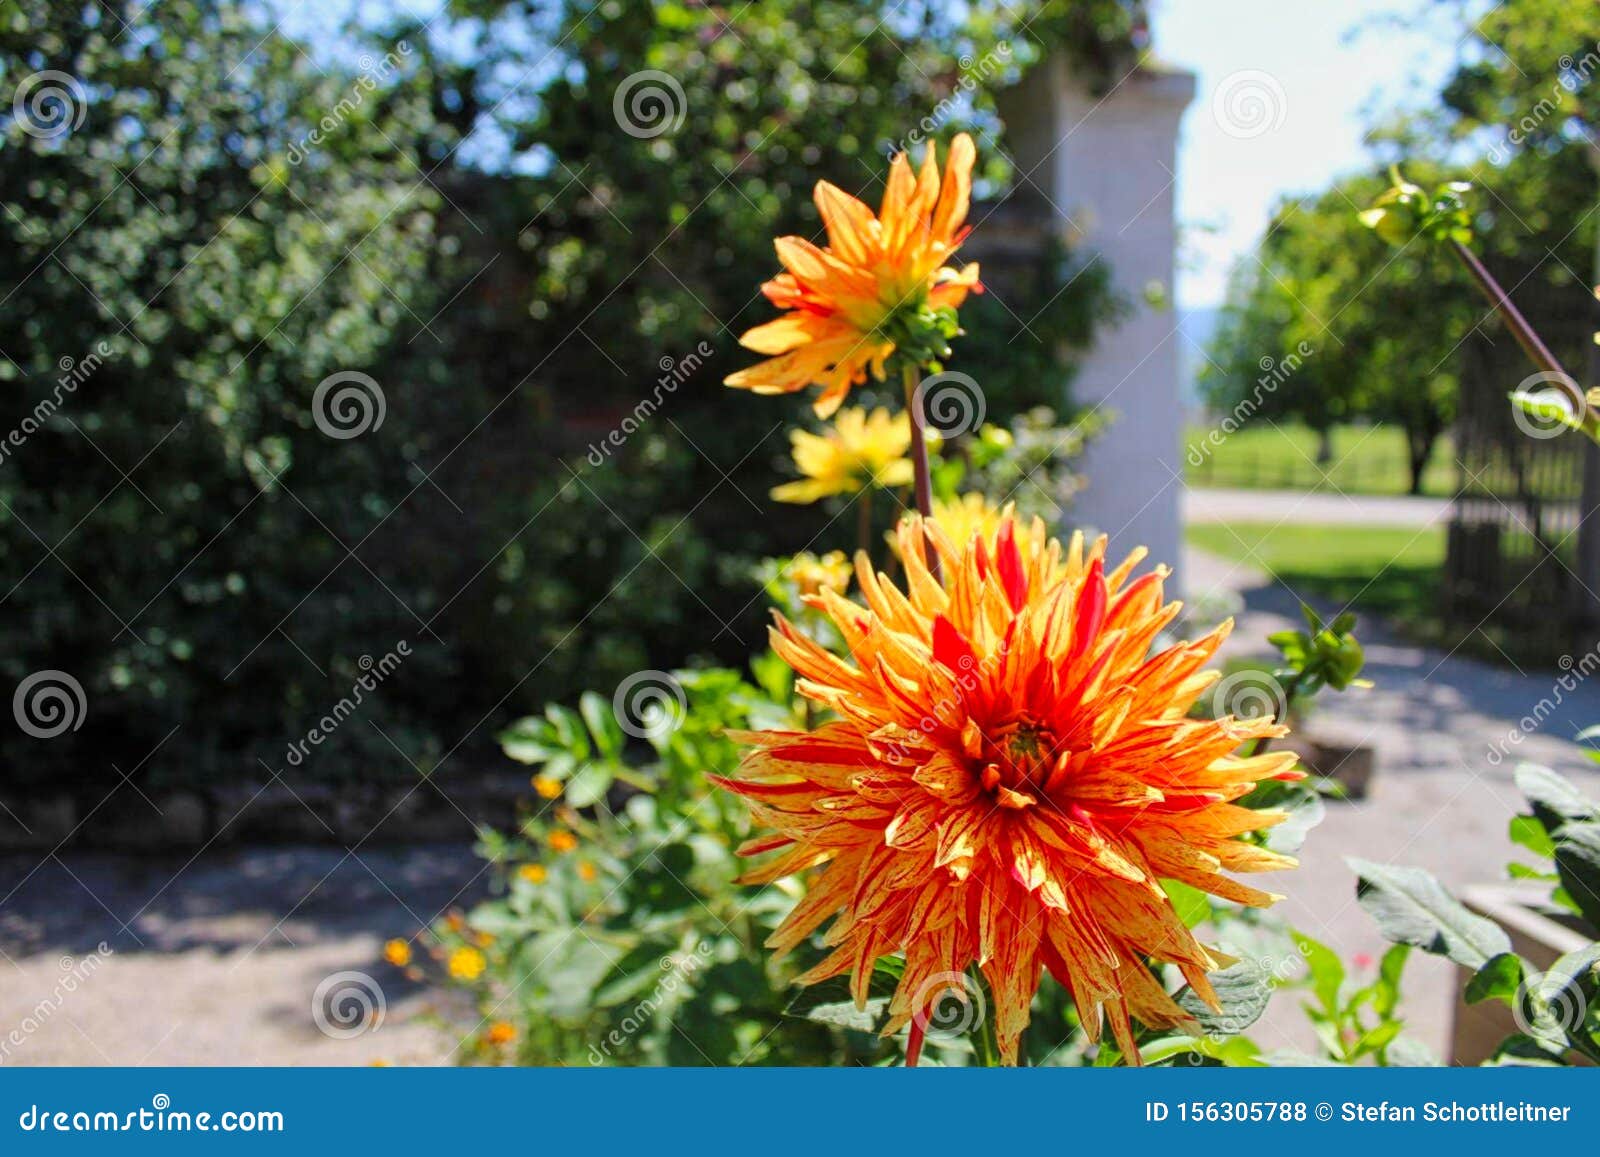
1527	337
919	462
914	1043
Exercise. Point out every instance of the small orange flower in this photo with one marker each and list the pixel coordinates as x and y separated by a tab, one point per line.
546	787
871	286
587	872
397	952
562	841
467	964
533	873
1011	777
501	1032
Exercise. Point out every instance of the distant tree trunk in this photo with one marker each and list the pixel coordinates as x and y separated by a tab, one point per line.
1325	446
1419	448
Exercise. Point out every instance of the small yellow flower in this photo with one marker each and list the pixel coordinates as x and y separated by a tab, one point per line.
397	953
814	575
859	450
587	872
501	1032
467	964
483	939
533	873
970	514
562	841
546	787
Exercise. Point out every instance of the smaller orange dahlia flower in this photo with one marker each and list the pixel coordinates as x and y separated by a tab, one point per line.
880	284
1010	777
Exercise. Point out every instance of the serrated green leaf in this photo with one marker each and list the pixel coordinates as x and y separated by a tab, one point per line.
1412	907
1555	799
1243	990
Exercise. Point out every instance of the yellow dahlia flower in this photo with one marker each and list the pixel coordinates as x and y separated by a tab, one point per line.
1011	777
859	450
871	288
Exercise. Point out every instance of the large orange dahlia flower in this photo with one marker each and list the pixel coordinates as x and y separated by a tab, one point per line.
1010	778
878	284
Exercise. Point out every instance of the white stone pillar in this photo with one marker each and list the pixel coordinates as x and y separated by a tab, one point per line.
1108	167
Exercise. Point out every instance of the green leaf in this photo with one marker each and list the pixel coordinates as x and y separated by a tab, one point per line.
1498	979
1528	832
1327	970
1406	1052
1243	990
1555	800
1386	994
602	724
590	784
1191	904
1412	907
829	1002
1578	863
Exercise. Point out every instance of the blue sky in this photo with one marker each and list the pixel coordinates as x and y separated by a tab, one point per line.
1330	63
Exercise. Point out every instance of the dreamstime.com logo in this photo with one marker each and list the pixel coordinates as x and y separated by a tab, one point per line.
49	104
160	1117
49	703
649	103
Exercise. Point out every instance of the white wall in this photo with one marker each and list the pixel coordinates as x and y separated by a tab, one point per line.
1108	167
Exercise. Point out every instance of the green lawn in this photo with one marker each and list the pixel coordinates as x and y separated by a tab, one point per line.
1387	570
1367	460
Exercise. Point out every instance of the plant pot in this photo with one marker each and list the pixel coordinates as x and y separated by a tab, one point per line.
1350	765
1521	908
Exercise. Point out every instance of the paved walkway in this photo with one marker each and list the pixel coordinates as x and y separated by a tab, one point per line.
217	962
1440	799
1325	506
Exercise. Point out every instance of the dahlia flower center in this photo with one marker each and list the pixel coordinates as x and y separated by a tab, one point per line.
1016	763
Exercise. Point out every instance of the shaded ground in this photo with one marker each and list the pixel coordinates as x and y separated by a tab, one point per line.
217	962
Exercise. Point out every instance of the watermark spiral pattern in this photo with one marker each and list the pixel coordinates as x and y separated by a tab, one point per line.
347	1004
49	703
1249	103
348	404
949	1005
650	704
49	104
950	404
649	103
